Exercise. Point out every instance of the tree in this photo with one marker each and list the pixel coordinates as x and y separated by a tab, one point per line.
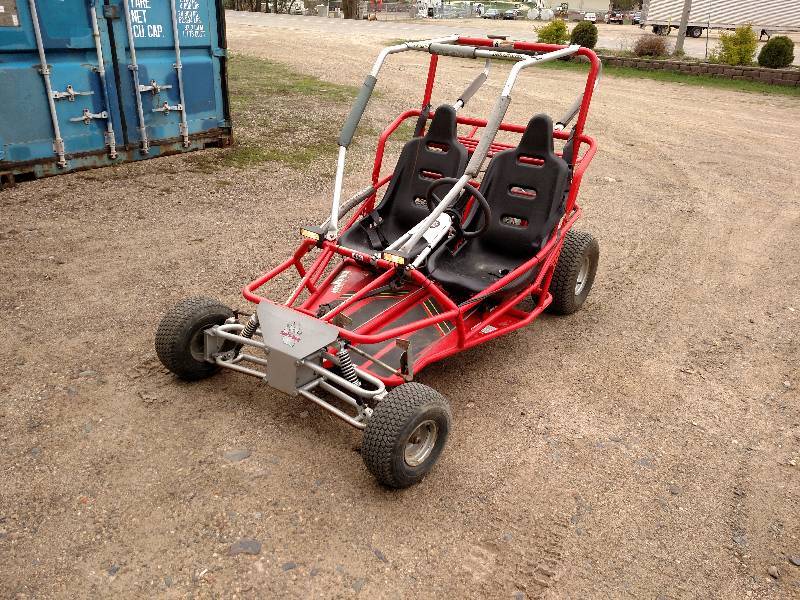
350	9
687	7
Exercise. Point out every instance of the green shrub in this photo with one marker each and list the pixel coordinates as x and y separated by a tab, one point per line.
554	32
584	34
777	53
737	48
650	45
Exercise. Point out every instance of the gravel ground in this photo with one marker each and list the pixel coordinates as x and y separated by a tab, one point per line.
646	447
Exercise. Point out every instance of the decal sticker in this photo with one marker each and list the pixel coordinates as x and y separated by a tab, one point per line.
339	282
291	334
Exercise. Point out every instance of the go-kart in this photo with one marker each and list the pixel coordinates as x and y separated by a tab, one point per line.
452	256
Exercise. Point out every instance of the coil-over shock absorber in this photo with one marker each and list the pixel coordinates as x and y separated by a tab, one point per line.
346	365
251	326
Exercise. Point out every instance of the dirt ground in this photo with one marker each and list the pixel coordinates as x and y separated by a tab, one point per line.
645	447
611	37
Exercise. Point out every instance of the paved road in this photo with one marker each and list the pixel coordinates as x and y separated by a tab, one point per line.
615	37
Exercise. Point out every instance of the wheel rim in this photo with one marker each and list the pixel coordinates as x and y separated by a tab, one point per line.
420	443
197	345
583	276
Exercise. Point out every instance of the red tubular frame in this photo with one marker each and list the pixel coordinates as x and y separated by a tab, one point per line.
496	322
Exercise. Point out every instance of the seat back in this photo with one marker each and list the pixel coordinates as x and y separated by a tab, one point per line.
524	187
422	161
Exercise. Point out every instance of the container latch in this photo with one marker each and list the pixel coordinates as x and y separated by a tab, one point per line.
154	87
69	94
166	108
88	116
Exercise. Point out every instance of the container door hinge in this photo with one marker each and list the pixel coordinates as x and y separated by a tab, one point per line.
111	142
220	52
224	123
88	116
110	11
58	148
184	134
154	87
166	108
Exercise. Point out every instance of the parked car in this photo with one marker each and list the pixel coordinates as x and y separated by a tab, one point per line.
637	17
510	15
614	16
591	17
492	13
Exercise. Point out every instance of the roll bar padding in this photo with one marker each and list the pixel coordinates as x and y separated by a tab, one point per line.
360	105
453	50
473	87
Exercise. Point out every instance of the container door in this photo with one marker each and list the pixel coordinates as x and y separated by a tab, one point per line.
170	64
58	101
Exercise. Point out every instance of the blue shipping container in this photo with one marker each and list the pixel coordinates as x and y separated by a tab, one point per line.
87	83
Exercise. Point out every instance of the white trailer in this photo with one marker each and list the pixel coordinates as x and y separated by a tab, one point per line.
764	16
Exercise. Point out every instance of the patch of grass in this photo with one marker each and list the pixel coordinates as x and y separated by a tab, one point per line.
251	78
279	115
677	77
405	131
243	157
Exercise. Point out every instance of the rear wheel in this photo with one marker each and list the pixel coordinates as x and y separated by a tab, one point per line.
574	274
695	32
406	434
180	341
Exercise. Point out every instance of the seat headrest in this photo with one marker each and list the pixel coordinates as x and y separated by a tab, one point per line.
538	137
443	125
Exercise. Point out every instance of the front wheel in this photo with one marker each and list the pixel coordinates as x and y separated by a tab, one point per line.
406	434
574	274
180	338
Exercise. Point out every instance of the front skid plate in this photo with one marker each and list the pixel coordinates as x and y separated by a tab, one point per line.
288	337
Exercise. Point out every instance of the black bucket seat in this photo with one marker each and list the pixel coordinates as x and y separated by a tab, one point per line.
422	161
525	189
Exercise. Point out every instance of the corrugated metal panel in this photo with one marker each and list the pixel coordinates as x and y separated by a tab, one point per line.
769	14
87	83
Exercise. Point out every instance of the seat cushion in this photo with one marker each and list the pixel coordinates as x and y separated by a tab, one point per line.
478	268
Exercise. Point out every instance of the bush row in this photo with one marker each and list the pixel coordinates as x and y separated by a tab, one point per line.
735	49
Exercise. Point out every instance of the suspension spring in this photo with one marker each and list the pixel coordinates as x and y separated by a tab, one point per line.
346	365
250	328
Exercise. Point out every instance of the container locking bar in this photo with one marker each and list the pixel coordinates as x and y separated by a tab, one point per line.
134	69
44	69
178	66
101	72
